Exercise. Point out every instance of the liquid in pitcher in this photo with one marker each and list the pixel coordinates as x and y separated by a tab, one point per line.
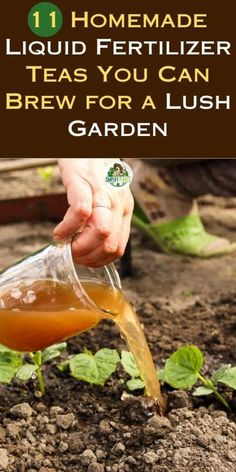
48	312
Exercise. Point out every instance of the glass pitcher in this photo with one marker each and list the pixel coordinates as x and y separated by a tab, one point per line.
46	298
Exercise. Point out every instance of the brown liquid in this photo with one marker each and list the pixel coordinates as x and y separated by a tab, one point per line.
47	312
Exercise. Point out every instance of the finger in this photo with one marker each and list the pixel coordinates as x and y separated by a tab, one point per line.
111	244
70	224
110	248
122	213
98	228
95	258
80	199
113	251
102	198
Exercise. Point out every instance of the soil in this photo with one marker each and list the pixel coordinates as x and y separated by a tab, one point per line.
29	182
79	428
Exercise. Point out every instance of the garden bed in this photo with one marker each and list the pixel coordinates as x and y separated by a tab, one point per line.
26	195
79	428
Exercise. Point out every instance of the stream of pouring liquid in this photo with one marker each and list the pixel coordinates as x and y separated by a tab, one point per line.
48	312
133	333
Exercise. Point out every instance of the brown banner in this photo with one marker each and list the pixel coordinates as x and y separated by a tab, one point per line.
155	80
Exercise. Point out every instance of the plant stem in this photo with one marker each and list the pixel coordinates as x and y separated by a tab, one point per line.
40	380
210	385
37	360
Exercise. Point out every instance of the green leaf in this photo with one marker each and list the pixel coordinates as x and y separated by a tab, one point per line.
52	352
83	367
135	384
161	374
106	360
37	358
64	366
182	368
94	369
46	173
26	372
129	363
229	378
220	373
10	361
200	391
186	293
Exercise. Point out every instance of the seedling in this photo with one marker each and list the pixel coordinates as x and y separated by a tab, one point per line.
46	173
183	370
97	368
94	369
12	364
130	366
186	293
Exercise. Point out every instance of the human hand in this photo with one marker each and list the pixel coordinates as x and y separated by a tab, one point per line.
101	215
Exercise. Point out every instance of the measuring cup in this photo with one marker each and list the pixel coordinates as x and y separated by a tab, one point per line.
46	298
